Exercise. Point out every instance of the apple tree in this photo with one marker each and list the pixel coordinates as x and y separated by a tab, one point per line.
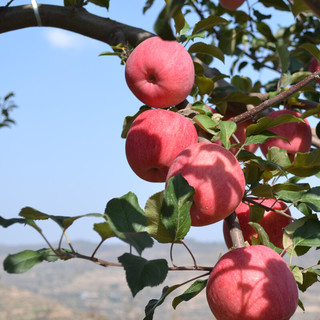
227	147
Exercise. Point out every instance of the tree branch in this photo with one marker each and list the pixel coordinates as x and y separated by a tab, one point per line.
73	19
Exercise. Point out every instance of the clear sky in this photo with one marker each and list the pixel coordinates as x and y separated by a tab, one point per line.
65	156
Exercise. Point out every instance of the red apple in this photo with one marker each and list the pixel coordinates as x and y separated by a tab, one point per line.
160	73
154	139
217	178
252	283
272	222
298	133
314	66
231	4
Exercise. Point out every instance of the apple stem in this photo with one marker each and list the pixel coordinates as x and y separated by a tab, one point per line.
191	254
235	230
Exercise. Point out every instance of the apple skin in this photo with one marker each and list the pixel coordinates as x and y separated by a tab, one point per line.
217	178
314	66
154	139
231	4
252	283
298	133
160	73
272	222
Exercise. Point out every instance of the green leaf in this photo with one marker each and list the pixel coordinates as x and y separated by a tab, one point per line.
278	156
266	123
305	164
155	227
128	222
298	7
297	274
308	235
154	303
256	213
101	3
312	198
205	85
309	278
190	293
23	261
242	83
128	121
262	190
205	122
201	47
237	96
312	49
63	221
277	4
141	273
288	235
284	56
9	222
104	230
175	211
208	24
227	129
264	29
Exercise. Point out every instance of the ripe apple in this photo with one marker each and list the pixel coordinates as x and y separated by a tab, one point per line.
272	222
154	139
217	178
231	4
314	66
252	283
298	133
160	73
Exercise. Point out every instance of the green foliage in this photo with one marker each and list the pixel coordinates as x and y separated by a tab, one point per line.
6	107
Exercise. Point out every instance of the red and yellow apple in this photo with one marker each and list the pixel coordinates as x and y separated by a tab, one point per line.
252	283
160	73
217	178
154	139
231	4
272	222
298	134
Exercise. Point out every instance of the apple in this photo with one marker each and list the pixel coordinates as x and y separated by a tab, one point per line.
272	222
217	177
298	133
154	139
314	66
160	73
252	283
231	4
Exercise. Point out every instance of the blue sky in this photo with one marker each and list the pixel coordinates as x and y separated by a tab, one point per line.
65	156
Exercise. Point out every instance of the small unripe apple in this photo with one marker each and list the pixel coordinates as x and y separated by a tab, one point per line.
231	4
154	139
314	66
272	222
217	177
160	73
298	133
252	283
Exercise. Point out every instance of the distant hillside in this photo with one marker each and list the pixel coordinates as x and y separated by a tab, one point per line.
79	290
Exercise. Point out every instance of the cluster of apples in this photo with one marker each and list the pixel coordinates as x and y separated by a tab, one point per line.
247	283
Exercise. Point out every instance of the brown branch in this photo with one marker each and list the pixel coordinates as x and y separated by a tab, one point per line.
277	99
281	212
73	19
235	230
